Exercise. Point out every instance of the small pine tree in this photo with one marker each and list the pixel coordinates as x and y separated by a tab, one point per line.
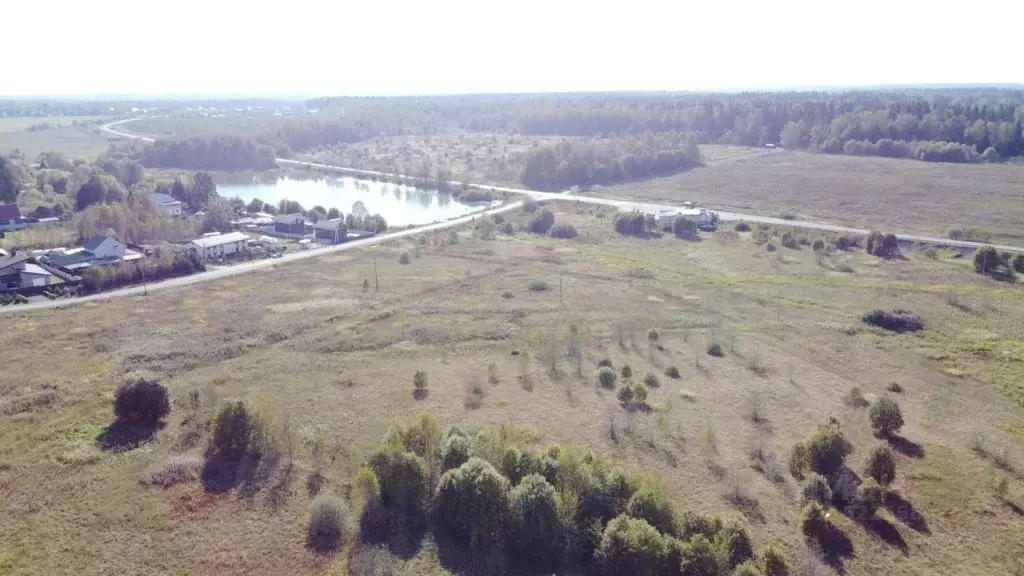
606	377
419	381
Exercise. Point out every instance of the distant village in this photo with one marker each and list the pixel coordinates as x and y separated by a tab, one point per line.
67	271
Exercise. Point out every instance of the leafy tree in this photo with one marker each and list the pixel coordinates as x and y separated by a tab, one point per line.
542	221
700	559
632	546
329	519
92	192
333	213
734	544
534	528
651	504
812	519
881	465
419	381
256	205
684	228
869	498
455	447
824	451
203	190
218	216
233	429
886	417
988	260
773	562
816	489
471	502
402	477
10	181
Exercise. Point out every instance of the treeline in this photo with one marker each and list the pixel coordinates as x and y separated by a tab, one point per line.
216	153
978	118
601	162
160	267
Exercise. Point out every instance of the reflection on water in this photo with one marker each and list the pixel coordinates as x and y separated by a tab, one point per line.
398	204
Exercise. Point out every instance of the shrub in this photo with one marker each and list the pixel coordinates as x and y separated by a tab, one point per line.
652	336
845	243
142	401
626	372
630	224
855	398
881	465
530	206
812	519
988	260
233	429
651	504
699	558
869	498
748	568
1018	263
684	228
827	449
639	393
898	320
373	561
498	218
542	221
773	562
672	372
606	377
507	228
625	395
894	387
715	349
419	381
563	231
886	416
816	489
632	546
651	379
454	449
874	242
366	483
539	286
402	477
606	361
534	529
818	245
471	501
328	523
742	227
799	460
177	469
789	239
404	258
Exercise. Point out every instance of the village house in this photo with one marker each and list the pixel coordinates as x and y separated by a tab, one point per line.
294	224
170	205
99	250
22	272
331	231
220	245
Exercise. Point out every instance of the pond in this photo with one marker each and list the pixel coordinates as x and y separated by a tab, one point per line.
399	205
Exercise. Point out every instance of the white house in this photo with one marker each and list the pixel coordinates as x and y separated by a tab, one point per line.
221	245
104	247
169	205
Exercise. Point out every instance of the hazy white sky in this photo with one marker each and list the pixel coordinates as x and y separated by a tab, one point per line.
415	46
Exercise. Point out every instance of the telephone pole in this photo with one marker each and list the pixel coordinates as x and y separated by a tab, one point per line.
376	280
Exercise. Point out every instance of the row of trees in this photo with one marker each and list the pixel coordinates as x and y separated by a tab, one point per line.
215	153
159	267
601	162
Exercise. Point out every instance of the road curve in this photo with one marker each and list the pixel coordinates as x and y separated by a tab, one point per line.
632	204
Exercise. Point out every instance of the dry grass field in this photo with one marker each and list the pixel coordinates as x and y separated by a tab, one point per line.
310	345
78	136
870	193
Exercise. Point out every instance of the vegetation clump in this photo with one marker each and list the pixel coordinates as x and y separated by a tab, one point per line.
142	402
898	320
563	231
606	377
823	452
886	417
672	372
329	519
715	349
881	465
542	221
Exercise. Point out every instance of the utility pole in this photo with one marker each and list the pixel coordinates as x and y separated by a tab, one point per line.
376	280
778	307
561	273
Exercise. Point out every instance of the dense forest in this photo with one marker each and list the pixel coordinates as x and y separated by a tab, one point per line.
218	153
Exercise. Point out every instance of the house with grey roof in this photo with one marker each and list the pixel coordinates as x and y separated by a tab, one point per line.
169	204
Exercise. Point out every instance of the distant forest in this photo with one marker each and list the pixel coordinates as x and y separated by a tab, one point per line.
613	137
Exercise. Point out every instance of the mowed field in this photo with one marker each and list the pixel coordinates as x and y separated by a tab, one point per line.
81	140
312	345
871	193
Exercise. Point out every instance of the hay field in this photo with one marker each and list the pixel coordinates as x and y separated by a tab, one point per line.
308	343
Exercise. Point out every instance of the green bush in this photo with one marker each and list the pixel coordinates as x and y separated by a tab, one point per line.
748	568
742	227
606	361
606	377
419	381
625	395
471	502
630	224
530	206
684	228
881	465
1018	263
715	349
533	530
402	477
404	258
233	428
773	562
699	558
886	246
988	260
455	447
639	393
818	245
672	372
539	286
898	320
824	451
542	221
869	498
632	546
799	460
626	372
329	519
651	379
498	218
734	544
816	489
886	417
651	504
142	401
845	243
563	231
894	387
507	228
812	519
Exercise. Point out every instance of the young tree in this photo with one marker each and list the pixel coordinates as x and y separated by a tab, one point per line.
881	465
203	190
886	417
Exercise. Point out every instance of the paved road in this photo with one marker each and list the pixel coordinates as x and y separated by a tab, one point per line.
633	204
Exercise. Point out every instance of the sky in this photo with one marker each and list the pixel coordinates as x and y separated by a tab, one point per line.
343	47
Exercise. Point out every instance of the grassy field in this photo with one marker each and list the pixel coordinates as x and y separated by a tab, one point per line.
78	136
309	343
880	193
